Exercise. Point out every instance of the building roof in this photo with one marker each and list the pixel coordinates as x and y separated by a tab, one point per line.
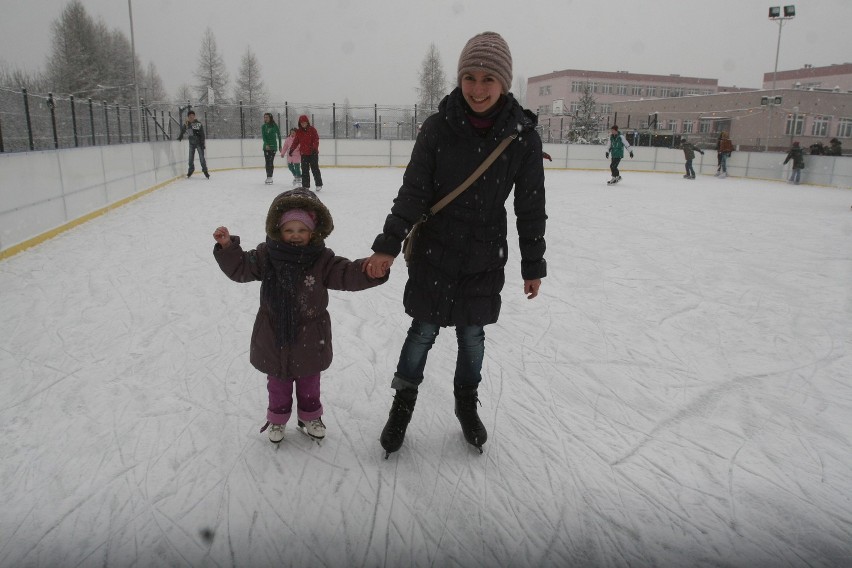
810	72
626	76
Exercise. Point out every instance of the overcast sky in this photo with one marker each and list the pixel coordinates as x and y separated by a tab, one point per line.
370	51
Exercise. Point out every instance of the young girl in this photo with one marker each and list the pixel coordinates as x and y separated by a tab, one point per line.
291	340
294	160
271	135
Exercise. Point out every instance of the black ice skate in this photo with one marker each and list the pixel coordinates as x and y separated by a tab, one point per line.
400	415
472	427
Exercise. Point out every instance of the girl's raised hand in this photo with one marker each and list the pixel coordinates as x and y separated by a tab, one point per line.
222	236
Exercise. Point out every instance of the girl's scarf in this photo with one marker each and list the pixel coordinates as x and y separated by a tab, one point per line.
286	267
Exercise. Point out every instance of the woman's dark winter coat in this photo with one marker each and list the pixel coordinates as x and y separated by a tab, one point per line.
456	271
312	351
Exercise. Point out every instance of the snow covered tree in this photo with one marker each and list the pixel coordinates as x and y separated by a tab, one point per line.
151	87
586	121
433	80
211	71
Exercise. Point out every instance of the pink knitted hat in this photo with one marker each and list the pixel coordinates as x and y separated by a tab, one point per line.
488	51
306	217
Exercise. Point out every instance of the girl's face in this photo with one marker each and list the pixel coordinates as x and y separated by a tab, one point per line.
303	124
481	90
296	233
266	118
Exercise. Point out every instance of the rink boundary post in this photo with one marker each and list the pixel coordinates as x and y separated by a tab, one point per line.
47	235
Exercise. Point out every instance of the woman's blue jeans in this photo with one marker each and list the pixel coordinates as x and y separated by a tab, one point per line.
421	336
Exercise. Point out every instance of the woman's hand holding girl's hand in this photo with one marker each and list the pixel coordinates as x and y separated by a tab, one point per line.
377	265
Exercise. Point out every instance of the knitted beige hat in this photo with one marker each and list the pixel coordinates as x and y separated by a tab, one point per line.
488	51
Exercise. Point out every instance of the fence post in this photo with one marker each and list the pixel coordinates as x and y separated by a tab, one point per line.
118	120
51	104
375	122
287	117
414	124
29	121
334	120
74	121
130	118
92	122
242	122
163	122
170	125
106	121
1	138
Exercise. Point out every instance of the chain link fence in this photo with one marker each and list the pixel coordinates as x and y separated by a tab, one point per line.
42	121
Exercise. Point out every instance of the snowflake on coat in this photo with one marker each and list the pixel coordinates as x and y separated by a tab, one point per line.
307	308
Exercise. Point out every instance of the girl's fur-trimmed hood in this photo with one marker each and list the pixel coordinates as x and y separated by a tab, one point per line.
299	198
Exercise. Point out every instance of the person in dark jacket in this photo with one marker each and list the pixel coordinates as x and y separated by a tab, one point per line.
291	339
834	148
271	135
724	148
798	156
197	141
306	141
456	268
689	150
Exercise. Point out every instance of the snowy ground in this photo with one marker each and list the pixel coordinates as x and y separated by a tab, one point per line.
679	395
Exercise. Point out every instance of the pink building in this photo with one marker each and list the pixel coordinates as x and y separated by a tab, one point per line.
836	78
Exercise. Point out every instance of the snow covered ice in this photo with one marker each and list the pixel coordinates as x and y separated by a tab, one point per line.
678	395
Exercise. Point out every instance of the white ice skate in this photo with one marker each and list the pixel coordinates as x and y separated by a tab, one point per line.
276	432
313	428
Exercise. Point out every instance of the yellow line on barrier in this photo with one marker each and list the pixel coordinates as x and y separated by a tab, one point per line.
13	250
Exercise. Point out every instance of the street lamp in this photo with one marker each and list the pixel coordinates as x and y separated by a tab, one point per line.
775	14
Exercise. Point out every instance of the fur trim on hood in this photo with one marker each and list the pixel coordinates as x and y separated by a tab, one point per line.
299	198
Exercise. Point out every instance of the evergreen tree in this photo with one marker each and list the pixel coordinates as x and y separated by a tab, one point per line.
586	121
72	67
433	81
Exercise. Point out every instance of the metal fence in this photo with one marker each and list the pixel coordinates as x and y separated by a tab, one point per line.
42	121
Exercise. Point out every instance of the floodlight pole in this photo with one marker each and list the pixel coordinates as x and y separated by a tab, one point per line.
780	19
133	59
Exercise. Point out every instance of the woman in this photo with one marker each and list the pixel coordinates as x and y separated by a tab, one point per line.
271	135
456	268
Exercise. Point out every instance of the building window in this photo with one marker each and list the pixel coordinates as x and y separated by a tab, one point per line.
651	91
795	125
704	126
606	88
544	109
593	87
820	126
687	126
844	128
576	86
664	91
543	91
575	107
636	90
621	89
606	109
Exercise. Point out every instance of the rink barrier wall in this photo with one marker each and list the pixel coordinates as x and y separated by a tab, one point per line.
45	193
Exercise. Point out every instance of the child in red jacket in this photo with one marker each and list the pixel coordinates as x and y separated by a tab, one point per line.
307	142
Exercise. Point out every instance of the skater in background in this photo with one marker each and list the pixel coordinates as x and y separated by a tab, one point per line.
456	267
294	158
798	156
834	148
616	147
689	150
197	142
724	147
291	340
307	142
271	135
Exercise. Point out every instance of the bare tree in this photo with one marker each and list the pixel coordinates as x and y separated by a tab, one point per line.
433	80
211	71
250	89
521	91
